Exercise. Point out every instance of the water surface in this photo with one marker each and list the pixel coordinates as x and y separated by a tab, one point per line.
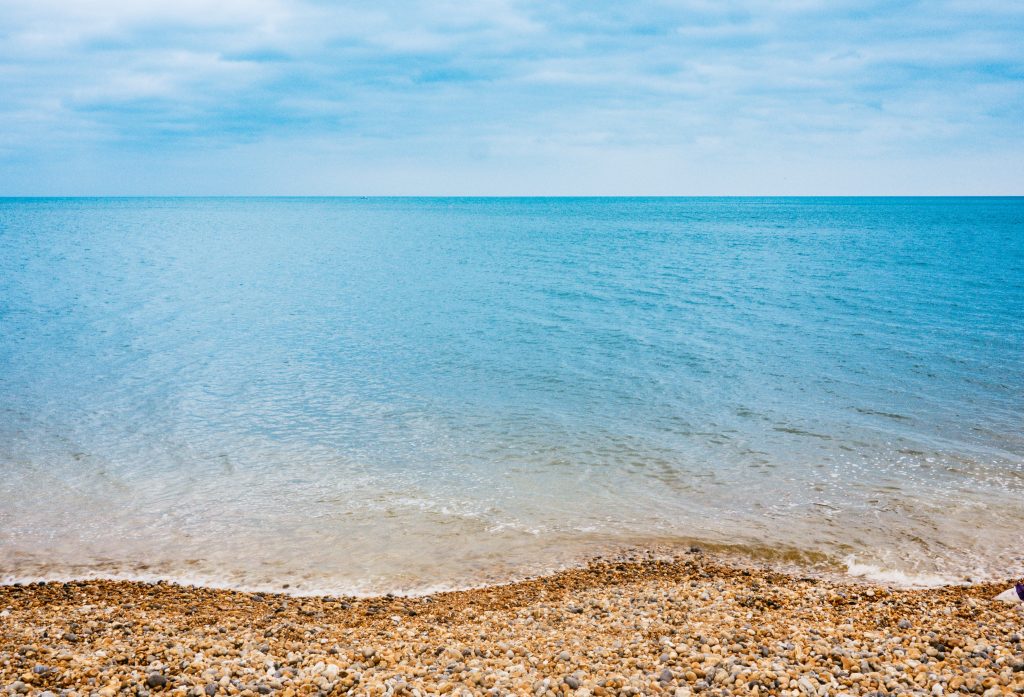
401	394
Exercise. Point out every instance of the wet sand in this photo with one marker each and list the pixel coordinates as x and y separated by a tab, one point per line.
645	626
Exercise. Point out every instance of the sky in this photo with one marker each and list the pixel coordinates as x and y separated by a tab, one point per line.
501	97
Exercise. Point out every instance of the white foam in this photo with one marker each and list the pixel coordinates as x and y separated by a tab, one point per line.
897	577
296	589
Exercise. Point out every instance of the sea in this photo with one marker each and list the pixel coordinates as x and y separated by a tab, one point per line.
372	395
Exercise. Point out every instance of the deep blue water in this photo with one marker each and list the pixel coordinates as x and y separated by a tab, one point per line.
399	393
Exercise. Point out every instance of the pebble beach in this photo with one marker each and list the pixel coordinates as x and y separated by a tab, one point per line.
690	624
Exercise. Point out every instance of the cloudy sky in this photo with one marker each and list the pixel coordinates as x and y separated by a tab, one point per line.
508	97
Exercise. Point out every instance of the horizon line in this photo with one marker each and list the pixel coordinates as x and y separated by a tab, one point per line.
8	197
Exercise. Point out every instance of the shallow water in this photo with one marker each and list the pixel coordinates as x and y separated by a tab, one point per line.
402	394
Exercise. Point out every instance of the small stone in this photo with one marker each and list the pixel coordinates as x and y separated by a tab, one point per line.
758	634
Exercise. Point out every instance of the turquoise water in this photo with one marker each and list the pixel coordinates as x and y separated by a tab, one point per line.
402	394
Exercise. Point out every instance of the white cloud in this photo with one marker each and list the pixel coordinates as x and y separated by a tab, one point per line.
561	84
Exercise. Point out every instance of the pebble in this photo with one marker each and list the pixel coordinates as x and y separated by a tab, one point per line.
624	627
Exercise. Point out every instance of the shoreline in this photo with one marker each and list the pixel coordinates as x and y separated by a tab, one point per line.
651	626
787	561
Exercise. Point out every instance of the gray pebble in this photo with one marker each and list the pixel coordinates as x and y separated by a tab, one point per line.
572	681
807	687
211	689
665	676
156	680
904	624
